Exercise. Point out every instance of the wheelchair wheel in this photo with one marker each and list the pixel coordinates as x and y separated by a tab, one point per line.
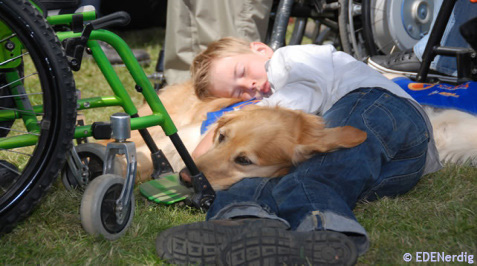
396	25
98	207
372	27
93	156
35	74
351	29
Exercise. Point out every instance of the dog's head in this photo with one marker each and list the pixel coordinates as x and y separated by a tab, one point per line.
266	142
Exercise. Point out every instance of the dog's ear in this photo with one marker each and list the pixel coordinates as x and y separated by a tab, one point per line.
317	139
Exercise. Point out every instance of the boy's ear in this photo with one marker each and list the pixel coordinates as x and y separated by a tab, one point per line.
261	48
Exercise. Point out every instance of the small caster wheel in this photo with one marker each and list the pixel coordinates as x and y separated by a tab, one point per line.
92	155
98	207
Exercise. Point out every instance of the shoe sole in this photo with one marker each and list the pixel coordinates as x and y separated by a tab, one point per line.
253	242
271	246
385	70
201	243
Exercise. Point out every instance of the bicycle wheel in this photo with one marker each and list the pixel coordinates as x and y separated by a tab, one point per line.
36	76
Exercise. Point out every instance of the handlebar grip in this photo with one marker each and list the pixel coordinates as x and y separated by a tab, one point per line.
120	18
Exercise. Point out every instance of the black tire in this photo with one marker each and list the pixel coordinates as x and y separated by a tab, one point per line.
56	93
98	207
351	30
92	155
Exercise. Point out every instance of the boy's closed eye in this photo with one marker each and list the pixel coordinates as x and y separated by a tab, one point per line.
239	71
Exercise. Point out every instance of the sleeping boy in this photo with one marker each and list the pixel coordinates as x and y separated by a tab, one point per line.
314	202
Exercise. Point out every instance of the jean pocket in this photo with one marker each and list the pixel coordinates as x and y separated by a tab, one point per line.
396	124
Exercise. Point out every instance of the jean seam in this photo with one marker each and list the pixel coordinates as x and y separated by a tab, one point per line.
358	101
260	187
414	157
394	126
370	128
383	182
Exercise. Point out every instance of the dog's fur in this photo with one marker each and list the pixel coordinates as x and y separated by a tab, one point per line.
266	142
187	112
272	140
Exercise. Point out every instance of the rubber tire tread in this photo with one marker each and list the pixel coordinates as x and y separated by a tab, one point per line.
91	204
64	85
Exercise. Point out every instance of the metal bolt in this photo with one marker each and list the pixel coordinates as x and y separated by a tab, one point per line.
10	45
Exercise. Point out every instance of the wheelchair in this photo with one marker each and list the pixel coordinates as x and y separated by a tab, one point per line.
38	107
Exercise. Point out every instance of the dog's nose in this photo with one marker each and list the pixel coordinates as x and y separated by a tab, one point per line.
185	177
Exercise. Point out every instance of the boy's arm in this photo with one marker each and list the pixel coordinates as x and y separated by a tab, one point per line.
205	144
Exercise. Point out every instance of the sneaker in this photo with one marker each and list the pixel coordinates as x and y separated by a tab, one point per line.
401	63
252	241
405	61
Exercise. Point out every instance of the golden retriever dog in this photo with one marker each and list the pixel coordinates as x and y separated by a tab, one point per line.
266	142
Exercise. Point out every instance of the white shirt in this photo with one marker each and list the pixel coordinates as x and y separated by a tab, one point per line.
312	78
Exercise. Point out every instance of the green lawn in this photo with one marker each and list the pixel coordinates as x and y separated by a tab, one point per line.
439	215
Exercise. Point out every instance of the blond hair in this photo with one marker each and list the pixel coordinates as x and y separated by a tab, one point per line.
202	63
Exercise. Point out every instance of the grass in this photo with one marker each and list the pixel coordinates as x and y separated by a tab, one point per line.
438	215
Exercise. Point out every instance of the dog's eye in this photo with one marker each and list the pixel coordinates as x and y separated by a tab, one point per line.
242	160
221	138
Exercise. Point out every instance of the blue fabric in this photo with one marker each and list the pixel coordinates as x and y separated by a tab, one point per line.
320	193
462	97
213	116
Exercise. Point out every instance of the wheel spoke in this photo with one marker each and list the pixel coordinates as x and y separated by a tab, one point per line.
13	59
22	111
10	168
8	38
20	79
17	152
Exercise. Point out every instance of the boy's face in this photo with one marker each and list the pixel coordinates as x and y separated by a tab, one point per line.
242	76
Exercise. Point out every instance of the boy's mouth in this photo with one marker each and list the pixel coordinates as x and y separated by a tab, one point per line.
266	89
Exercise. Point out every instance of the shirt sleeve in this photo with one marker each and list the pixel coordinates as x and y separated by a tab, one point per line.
302	77
296	96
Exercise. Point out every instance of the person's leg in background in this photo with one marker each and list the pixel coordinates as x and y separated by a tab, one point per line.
463	11
95	3
193	24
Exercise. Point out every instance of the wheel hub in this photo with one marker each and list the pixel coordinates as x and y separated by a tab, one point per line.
399	24
417	17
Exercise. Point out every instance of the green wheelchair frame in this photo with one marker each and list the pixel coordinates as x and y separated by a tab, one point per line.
85	34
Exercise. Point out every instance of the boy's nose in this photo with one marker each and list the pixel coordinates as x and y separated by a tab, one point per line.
253	86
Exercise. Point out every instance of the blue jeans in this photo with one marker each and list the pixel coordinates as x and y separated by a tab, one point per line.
463	11
320	193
